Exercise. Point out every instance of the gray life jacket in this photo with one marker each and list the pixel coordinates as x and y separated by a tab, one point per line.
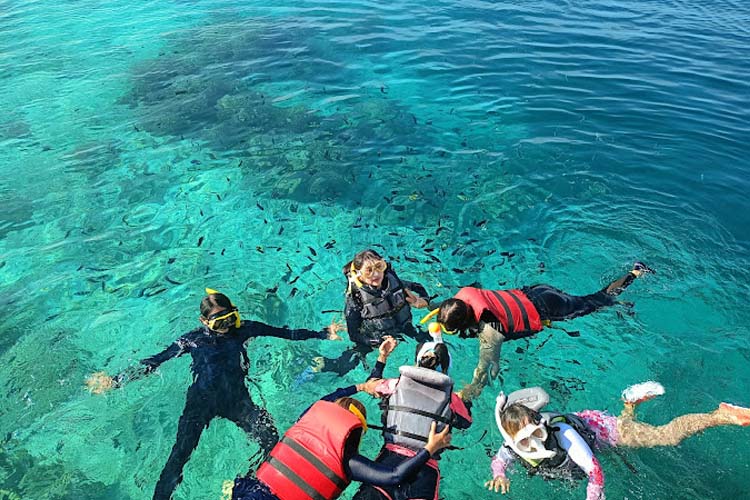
384	311
422	396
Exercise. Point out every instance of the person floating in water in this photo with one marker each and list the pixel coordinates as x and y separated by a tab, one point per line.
318	456
559	446
499	315
421	395
219	367
378	303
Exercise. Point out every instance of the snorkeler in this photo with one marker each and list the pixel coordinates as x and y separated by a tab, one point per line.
559	446
219	367
317	457
499	315
378	303
421	395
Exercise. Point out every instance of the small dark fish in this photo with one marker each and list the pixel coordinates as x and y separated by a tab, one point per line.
259	205
307	268
157	292
438	230
272	290
410	259
329	244
458	271
289	267
312	251
507	254
491	251
281	230
456	250
195	162
50	318
383	90
311	210
201	211
171	260
200	241
240	163
429	250
330	311
533	240
575	362
218	196
293	292
180	92
223	250
502	283
481	223
519	350
294	280
414	118
393	233
260	249
388	200
435	259
170	280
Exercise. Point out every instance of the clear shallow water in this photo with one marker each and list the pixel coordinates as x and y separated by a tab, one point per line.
150	150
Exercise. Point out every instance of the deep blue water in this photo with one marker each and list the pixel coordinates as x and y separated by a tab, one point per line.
148	150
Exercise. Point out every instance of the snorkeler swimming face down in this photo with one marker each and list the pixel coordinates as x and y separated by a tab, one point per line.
218	313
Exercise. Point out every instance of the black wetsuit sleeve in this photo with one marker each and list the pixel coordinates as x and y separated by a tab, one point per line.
363	469
353	315
341	392
150	364
417	289
377	371
257	329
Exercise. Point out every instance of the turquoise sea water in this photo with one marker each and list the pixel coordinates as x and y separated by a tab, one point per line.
150	149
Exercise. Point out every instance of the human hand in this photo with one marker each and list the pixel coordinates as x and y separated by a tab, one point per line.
499	484
333	330
99	382
370	387
414	301
436	441
386	348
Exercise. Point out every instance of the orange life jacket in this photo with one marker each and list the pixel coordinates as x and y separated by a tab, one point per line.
512	308
308	462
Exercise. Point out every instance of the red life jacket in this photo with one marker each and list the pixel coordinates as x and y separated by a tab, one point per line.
512	308
308	462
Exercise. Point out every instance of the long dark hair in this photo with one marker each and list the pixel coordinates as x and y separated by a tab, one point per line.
455	314
441	353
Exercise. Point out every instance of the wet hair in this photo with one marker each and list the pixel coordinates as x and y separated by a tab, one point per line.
455	314
441	353
360	259
516	416
212	301
352	441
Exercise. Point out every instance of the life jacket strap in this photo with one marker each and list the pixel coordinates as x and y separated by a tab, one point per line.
421	413
294	478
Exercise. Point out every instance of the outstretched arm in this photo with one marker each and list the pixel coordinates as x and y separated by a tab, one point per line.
100	382
580	452
257	329
490	343
500	463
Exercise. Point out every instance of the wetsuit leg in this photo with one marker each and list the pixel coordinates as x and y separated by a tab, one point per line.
368	492
556	305
253	419
195	417
348	360
490	343
249	488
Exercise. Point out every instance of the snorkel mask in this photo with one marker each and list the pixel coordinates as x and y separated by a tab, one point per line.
528	443
223	320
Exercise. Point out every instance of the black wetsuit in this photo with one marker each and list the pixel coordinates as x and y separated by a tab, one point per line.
219	368
364	344
556	305
358	468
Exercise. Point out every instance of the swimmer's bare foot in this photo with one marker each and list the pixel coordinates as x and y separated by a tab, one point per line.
318	363
737	414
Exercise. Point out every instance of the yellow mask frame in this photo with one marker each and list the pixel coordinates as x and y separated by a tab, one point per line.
233	312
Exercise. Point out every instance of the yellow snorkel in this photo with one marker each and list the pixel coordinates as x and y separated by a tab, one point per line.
359	415
429	316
